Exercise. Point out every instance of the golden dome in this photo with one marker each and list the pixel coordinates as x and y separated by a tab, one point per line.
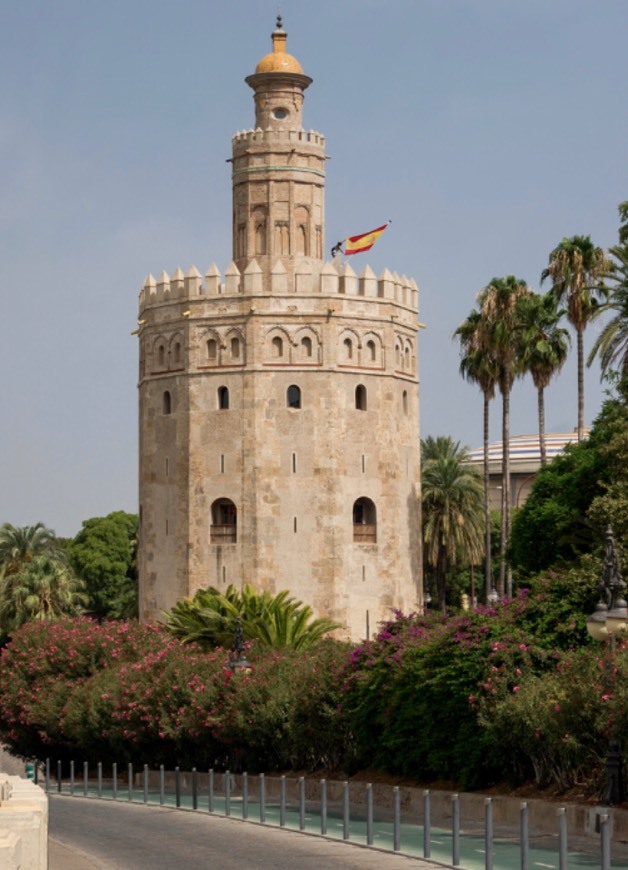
279	60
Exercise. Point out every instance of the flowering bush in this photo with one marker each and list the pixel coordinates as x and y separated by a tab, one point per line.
44	665
555	729
132	693
411	696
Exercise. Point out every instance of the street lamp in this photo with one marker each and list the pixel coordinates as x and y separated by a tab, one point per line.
237	660
609	619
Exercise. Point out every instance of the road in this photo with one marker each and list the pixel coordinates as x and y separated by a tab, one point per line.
101	835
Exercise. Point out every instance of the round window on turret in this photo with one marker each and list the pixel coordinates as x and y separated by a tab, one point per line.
280	114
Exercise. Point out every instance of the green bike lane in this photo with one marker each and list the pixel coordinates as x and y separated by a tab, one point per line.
542	852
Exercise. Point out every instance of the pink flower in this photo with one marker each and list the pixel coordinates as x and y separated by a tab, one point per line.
515	688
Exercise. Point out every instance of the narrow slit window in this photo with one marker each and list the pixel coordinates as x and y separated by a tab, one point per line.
212	350
294	463
167	402
222	463
235	348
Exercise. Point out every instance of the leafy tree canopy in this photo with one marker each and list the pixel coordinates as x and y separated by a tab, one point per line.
104	555
554	526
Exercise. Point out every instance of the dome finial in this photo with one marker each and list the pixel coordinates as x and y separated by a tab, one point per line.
279	21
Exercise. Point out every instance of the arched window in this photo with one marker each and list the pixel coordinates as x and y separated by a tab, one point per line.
235	348
398	355
348	346
224	522
404	401
212	349
371	350
360	397
407	359
306	346
277	346
293	396
364	521
166	403
177	352
223	398
161	355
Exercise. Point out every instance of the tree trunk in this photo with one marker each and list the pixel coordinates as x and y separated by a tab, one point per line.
487	511
441	574
505	525
541	406
580	346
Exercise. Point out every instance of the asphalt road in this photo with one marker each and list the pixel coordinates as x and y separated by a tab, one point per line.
100	835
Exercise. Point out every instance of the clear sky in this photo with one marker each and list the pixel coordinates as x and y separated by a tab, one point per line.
485	129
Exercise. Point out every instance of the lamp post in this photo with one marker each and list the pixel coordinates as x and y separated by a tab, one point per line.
237	660
609	619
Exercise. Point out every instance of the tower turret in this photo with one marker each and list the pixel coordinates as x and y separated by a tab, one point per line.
278	170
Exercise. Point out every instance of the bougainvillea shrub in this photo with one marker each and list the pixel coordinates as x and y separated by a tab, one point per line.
410	695
127	692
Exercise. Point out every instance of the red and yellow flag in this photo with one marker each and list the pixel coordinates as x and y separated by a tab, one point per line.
359	244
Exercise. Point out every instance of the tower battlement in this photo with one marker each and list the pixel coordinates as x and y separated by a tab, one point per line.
247	137
311	278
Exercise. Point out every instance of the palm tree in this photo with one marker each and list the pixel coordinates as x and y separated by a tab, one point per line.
453	516
575	268
19	545
478	366
612	343
210	618
499	305
43	589
544	348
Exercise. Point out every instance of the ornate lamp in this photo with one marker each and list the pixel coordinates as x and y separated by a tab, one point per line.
238	662
610	619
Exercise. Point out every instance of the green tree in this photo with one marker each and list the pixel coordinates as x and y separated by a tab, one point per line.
20	544
500	304
554	526
278	621
612	343
452	507
575	268
478	365
43	590
104	555
544	348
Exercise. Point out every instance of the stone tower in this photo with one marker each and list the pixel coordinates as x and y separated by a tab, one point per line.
279	403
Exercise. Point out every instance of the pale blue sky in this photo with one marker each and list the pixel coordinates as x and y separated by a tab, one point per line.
486	129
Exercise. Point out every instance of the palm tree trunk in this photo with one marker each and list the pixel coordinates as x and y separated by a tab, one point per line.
487	511
505	525
580	346
541	406
441	575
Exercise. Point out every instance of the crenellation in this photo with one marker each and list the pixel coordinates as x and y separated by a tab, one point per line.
279	278
176	283
368	283
232	279
252	279
193	282
348	281
163	287
212	280
330	280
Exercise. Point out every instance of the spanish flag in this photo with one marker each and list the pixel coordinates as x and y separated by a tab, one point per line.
359	244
